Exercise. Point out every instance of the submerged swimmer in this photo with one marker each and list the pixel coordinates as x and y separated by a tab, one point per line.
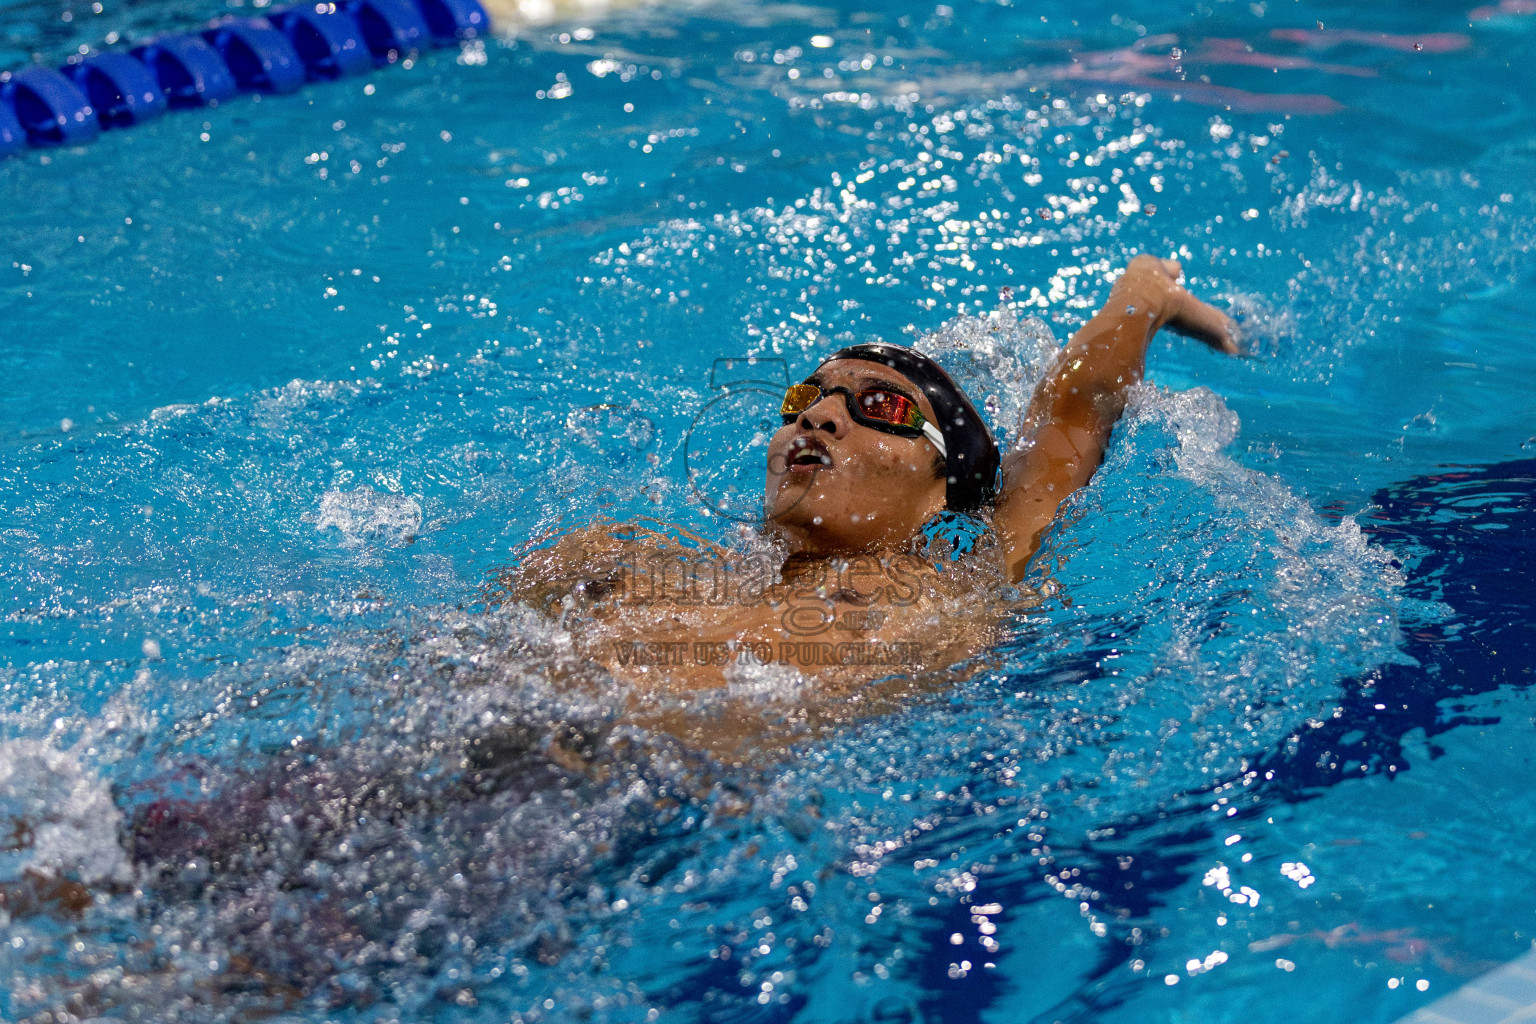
894	526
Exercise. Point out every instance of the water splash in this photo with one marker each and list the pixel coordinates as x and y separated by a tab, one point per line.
997	359
364	516
59	817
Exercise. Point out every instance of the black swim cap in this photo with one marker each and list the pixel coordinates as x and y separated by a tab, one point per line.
972	459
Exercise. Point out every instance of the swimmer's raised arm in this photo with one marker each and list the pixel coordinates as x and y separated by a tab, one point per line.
1083	394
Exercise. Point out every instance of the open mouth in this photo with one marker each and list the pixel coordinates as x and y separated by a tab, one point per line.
807	454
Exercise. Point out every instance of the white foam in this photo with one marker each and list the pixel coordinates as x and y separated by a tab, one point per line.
57	817
1327	579
748	678
364	516
1323	601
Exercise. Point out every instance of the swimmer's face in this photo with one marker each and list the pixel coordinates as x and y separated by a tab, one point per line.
837	485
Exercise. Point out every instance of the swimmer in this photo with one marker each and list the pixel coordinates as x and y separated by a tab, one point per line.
895	530
896	535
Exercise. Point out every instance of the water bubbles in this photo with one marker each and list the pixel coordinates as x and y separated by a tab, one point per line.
363	516
616	432
59	817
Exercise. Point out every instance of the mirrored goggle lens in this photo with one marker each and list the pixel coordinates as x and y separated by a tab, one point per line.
799	398
889	407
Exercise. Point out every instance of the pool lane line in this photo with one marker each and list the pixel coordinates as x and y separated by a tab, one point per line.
275	54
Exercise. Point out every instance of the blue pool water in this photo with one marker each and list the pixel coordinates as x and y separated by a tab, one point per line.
290	379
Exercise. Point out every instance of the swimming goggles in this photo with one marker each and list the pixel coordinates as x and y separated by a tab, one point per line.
888	411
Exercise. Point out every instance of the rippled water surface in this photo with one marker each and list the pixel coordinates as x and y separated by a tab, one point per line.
290	380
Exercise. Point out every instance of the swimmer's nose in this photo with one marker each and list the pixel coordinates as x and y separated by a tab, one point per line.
830	413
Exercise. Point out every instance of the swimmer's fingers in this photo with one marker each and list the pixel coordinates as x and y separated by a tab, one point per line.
1150	278
1204	323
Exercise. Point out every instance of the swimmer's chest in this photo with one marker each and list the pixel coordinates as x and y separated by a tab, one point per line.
673	620
682	646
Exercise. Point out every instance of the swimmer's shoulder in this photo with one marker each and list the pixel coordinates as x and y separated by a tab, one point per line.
591	561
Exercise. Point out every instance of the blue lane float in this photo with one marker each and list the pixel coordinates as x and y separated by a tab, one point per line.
260	58
121	89
276	54
448	20
190	72
328	41
51	109
391	28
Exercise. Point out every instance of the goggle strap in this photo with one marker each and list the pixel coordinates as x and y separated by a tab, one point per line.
931	432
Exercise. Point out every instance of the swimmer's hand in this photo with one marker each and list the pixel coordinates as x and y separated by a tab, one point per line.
1151	286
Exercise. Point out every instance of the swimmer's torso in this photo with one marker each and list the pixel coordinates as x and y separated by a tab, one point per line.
675	617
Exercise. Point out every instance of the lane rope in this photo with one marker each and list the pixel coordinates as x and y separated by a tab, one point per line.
276	53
